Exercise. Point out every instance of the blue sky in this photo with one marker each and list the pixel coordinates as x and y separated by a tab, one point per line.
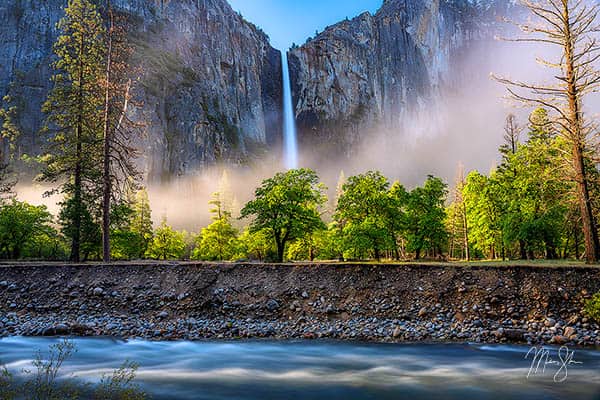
293	21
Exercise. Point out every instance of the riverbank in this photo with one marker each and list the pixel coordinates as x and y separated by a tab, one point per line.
381	303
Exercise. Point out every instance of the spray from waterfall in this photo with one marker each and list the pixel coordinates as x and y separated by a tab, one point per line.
290	145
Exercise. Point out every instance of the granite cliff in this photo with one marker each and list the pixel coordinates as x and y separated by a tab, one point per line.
374	71
211	87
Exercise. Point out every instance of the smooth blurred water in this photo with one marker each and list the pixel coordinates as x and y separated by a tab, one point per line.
321	370
290	146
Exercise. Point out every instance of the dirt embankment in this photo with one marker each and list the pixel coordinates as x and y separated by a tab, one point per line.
362	302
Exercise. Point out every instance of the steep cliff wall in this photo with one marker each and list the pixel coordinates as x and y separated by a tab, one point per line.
211	85
374	71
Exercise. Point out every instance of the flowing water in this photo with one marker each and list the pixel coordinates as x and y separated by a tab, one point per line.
290	146
323	370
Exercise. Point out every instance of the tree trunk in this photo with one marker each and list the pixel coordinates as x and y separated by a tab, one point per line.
522	249
466	229
576	239
578	142
280	250
106	179
77	201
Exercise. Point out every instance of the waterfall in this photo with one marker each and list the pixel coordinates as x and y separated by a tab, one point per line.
290	146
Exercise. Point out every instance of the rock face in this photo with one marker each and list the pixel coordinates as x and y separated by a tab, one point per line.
211	87
375	70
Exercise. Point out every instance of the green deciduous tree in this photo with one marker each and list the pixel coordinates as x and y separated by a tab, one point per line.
258	245
287	206
218	241
484	212
426	214
21	226
141	220
369	215
167	243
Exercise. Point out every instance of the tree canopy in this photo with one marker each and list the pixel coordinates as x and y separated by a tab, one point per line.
287	206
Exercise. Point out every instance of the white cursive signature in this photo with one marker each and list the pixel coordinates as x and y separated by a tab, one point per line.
542	358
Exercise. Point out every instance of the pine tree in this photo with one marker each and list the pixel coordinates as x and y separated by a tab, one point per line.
9	133
74	115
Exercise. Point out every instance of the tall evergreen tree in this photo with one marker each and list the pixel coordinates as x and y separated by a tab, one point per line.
9	133
74	115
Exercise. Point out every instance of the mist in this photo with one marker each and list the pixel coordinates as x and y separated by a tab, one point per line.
464	126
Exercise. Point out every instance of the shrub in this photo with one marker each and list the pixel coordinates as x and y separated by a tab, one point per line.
592	307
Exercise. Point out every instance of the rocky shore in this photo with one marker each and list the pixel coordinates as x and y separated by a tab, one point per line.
384	303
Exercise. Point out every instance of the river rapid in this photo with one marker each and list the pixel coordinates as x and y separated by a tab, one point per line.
330	370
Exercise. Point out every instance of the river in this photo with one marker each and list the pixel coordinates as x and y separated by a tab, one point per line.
329	370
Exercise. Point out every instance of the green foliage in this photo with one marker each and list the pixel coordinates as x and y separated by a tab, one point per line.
482	200
167	244
119	385
522	209
257	245
9	133
8	390
592	307
217	242
130	231
22	227
141	221
369	215
74	109
44	383
287	206
426	216
88	231
321	244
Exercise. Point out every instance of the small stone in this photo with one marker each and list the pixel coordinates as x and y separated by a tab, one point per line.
304	295
549	322
569	331
422	312
397	332
558	339
98	291
163	314
272	305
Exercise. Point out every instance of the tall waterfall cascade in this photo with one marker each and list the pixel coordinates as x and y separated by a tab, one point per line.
290	145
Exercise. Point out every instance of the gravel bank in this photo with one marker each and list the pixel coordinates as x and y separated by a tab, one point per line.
387	303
